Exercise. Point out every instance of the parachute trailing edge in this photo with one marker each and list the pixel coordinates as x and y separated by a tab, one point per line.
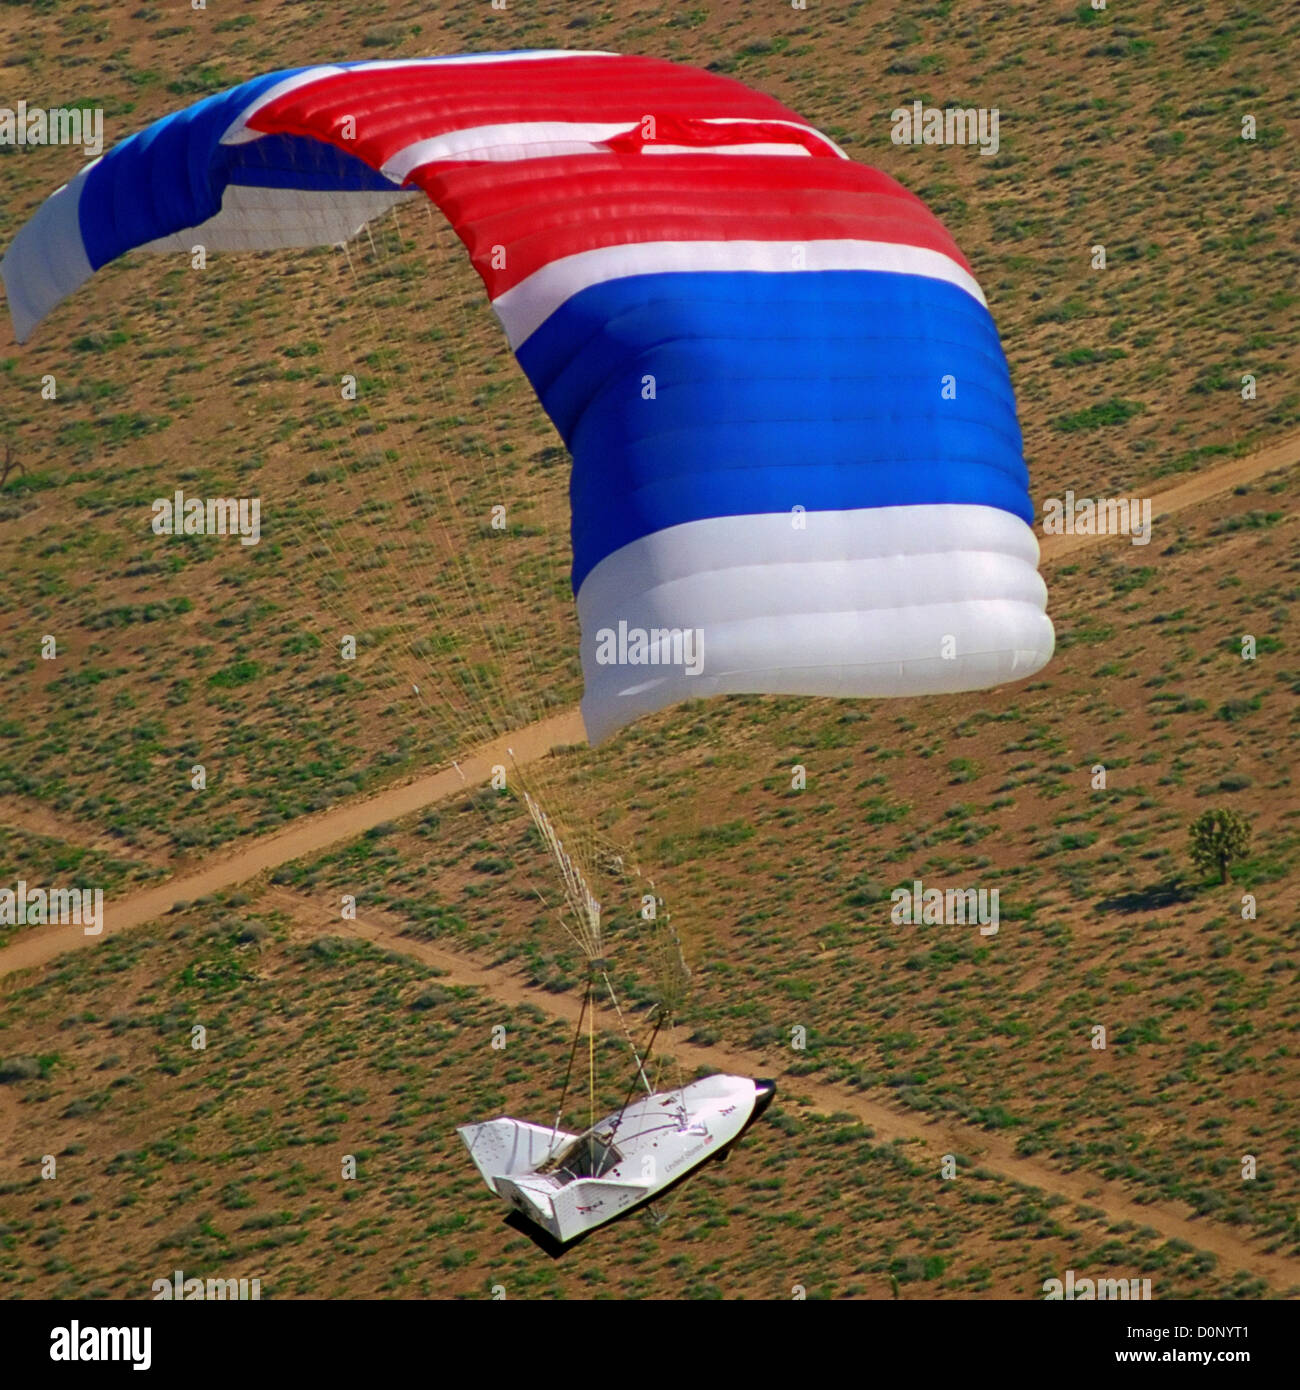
793	430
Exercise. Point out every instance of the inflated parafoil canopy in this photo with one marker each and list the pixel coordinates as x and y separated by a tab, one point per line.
796	462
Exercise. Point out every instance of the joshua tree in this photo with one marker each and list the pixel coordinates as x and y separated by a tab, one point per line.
1216	839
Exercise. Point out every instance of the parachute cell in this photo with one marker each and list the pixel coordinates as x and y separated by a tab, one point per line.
797	466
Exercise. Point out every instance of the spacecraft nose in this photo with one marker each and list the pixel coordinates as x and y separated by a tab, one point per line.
764	1090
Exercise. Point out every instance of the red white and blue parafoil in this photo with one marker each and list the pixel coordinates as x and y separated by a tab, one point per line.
792	426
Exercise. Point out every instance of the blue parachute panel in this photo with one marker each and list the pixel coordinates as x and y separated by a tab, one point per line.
818	389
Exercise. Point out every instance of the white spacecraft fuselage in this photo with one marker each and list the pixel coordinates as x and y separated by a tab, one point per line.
569	1184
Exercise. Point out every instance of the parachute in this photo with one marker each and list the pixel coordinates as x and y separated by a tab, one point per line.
796	464
797	467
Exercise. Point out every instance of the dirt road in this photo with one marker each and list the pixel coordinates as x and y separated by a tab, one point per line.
1198	488
314	834
308	836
